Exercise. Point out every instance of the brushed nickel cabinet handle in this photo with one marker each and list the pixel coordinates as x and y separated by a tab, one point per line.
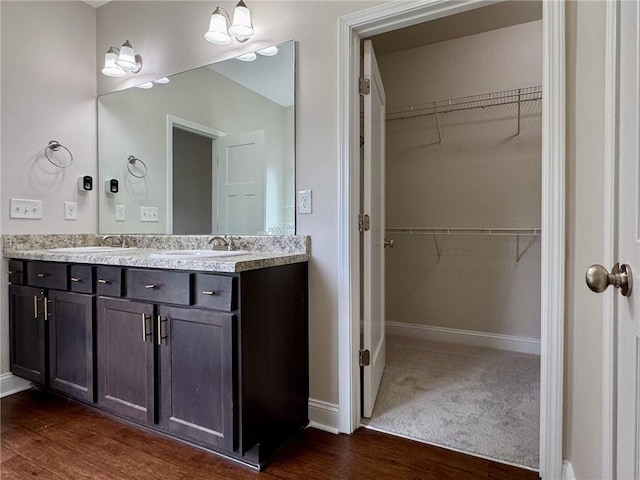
35	306
76	279
45	302
102	281
41	275
208	292
150	286
144	327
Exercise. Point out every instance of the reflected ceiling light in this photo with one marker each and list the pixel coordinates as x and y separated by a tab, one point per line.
247	57
162	80
145	85
221	28
269	51
120	61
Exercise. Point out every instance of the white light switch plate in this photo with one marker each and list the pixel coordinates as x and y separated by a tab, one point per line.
24	208
148	214
304	201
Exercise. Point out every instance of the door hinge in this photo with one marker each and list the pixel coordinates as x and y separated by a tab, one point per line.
365	86
364	222
365	358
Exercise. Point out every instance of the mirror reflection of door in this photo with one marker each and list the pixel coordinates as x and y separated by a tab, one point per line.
193	172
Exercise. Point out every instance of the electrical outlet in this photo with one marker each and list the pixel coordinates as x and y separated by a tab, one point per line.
70	211
304	201
120	215
148	214
24	208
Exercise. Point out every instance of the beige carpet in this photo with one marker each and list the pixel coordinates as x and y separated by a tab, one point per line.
478	400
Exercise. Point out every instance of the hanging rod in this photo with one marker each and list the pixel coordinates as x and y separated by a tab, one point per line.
492	99
467	231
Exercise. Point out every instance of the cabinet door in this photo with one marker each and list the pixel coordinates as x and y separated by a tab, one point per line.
28	333
196	354
125	358
71	344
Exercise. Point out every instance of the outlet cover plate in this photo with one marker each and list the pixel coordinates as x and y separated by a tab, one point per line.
304	201
120	213
70	210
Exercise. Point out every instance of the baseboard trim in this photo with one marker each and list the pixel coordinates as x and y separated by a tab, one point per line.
323	415
567	471
10	384
465	337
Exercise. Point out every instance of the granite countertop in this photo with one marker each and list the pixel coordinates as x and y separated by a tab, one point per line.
274	251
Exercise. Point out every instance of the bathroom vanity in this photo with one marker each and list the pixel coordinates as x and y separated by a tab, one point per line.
210	352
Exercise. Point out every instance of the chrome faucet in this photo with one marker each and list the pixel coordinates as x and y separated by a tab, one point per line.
120	238
221	243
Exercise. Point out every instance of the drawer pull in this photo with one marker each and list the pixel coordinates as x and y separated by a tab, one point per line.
208	292
42	275
102	281
76	279
150	286
11	272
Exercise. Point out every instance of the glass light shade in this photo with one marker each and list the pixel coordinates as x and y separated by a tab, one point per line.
127	58
110	68
247	57
269	51
162	80
241	26
217	33
145	85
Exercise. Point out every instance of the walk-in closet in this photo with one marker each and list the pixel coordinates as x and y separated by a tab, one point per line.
462	230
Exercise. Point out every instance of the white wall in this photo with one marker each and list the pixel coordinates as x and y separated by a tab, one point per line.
481	175
169	36
48	91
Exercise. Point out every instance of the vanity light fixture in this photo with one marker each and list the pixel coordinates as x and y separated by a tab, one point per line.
269	51
145	85
162	80
221	28
120	61
247	57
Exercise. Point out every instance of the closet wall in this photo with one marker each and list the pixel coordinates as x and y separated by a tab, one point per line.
481	175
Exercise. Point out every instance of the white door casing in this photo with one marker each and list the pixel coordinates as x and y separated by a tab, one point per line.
373	244
627	309
241	183
392	16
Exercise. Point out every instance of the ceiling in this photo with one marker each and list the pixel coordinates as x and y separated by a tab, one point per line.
492	17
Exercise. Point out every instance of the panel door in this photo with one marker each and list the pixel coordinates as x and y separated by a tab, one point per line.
126	358
196	355
241	183
71	363
28	333
373	242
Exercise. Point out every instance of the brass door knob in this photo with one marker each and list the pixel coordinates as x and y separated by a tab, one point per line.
598	278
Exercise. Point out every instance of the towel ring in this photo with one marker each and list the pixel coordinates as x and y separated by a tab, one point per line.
55	146
132	161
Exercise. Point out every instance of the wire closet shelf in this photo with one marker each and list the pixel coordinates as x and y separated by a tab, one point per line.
501	232
484	100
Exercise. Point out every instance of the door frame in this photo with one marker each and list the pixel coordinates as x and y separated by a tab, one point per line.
193	127
392	16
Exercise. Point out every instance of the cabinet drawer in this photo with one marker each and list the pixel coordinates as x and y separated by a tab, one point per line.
216	291
110	281
81	278
48	275
17	272
159	286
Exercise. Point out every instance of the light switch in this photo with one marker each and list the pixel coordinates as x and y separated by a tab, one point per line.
24	208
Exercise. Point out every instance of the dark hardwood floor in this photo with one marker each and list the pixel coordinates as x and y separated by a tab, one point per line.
47	437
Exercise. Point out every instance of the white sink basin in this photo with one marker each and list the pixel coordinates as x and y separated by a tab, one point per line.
93	249
195	254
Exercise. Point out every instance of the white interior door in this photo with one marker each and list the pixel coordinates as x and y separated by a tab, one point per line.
373	246
628	224
241	183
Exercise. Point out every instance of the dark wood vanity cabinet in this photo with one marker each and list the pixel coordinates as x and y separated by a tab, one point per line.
217	360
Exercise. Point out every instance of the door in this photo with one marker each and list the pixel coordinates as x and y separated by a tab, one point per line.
71	344
27	333
241	183
196	375
628	308
373	241
126	358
